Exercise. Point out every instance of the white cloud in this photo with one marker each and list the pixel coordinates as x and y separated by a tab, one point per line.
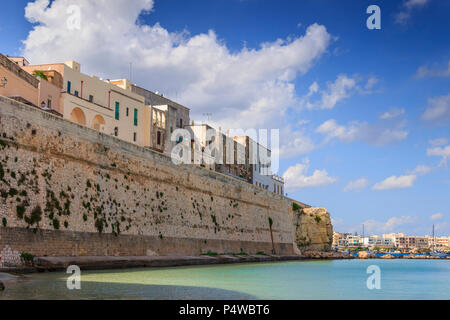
393	224
424	71
420	170
438	109
377	135
247	88
294	143
296	177
357	185
395	182
371	82
343	87
437	216
443	152
393	113
331	129
406	11
439	141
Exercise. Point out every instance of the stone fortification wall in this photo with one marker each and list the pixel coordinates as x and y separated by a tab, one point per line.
67	190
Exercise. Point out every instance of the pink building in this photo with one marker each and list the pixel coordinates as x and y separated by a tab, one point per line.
39	89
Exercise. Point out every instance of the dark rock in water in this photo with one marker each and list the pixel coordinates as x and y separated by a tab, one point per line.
2	286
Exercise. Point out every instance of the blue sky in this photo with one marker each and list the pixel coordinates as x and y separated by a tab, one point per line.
353	104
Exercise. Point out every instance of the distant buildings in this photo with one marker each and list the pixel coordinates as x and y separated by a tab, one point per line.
391	241
133	114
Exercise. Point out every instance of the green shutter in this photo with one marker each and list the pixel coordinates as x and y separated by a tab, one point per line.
117	111
135	117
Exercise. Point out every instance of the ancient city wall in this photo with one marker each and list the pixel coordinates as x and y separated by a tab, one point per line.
67	190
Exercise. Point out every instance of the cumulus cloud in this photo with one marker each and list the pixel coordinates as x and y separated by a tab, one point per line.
335	92
407	8
294	143
247	88
296	177
395	182
420	170
393	113
438	109
393	224
357	185
443	152
374	134
437	216
424	71
439	141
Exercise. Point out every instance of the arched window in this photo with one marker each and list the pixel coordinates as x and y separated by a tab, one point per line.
77	116
97	122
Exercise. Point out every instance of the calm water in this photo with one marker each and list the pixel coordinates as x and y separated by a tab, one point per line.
340	279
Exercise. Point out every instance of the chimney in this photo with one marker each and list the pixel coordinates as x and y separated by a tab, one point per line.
73	65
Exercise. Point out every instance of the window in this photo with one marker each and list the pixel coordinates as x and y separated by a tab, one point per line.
76	93
117	111
134	137
135	117
116	131
181	123
158	138
128	111
91	98
49	103
69	86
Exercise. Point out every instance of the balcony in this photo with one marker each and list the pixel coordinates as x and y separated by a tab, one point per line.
278	178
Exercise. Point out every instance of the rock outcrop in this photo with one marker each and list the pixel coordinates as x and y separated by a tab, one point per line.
366	255
313	229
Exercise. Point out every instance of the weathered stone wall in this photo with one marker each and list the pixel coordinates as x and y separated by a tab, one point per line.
313	229
69	190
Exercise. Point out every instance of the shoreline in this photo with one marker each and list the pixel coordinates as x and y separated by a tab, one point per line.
55	264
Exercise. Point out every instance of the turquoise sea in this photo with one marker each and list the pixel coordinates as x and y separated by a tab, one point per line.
338	279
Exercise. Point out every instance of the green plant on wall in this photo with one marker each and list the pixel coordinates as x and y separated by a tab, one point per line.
296	206
40	74
271	234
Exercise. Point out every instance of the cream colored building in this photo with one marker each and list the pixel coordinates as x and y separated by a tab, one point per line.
438	242
107	106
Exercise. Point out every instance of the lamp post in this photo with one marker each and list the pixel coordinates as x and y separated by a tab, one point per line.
3	83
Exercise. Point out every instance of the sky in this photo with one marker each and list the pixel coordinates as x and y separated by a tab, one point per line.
363	114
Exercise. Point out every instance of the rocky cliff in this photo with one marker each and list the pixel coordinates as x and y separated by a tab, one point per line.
313	229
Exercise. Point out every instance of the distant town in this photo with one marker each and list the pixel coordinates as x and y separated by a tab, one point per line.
391	241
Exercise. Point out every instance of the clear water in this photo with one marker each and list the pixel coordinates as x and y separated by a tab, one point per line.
339	279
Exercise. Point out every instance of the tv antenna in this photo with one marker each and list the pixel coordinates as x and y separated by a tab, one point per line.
208	116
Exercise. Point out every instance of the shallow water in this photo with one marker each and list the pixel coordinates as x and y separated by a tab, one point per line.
339	279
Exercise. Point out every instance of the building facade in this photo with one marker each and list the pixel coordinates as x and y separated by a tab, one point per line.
106	106
175	116
16	83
